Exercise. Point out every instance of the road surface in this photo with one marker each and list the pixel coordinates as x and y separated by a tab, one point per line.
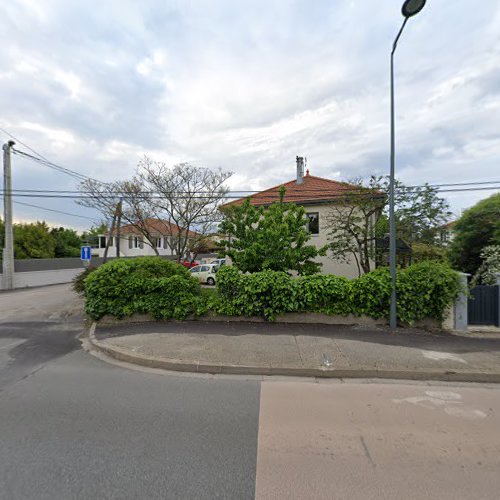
75	427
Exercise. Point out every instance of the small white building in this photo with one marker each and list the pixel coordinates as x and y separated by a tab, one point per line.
163	237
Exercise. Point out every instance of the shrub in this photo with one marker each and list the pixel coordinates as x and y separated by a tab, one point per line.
424	290
324	293
266	293
371	294
141	285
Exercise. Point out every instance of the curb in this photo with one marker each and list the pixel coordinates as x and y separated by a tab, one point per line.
227	369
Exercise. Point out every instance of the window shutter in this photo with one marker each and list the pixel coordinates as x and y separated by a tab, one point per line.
130	241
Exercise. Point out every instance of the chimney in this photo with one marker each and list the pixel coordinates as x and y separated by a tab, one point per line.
300	169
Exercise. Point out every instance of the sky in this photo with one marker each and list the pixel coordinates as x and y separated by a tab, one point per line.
246	86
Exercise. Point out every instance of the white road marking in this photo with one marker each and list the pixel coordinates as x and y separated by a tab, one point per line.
443	356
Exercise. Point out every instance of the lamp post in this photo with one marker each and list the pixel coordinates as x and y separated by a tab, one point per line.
410	8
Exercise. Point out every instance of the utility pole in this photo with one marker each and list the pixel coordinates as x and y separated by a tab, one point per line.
8	250
118	226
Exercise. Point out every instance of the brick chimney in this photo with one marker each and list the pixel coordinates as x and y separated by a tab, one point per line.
300	169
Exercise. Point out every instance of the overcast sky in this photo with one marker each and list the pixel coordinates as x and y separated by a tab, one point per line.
247	85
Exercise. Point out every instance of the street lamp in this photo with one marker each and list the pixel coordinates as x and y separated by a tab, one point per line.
410	8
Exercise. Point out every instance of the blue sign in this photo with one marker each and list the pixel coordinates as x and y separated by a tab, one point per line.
86	253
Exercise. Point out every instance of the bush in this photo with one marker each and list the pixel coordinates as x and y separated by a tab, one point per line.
164	289
266	293
324	293
424	290
151	285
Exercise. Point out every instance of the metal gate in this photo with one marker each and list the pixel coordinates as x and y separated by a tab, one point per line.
483	305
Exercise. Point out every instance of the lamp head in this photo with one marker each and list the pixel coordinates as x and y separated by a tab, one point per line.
412	7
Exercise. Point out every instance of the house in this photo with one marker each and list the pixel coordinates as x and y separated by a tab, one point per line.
316	195
142	239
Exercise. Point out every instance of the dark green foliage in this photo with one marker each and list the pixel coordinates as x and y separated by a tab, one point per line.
478	227
67	242
371	293
266	293
33	241
324	293
151	285
425	290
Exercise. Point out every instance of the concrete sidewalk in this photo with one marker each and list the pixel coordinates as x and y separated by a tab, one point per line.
302	350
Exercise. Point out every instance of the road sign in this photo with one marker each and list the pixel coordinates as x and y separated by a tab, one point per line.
86	253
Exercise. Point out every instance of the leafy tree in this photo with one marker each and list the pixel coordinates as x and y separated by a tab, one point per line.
360	217
33	241
67	242
273	238
489	270
478	227
2	234
424	251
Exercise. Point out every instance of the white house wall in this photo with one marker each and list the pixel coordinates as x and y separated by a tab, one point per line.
348	269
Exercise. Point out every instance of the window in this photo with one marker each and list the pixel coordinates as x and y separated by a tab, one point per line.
137	242
195	269
158	242
313	223
102	241
111	241
204	269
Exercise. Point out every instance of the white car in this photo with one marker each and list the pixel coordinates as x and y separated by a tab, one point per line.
219	262
205	273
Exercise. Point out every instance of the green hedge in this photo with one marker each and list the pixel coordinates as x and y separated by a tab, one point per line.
425	290
150	285
167	290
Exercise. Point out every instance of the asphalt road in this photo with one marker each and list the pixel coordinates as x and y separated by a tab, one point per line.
75	427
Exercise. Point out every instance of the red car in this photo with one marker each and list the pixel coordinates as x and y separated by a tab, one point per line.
190	264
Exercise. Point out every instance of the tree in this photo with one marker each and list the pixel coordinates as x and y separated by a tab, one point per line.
188	197
478	227
489	270
360	217
67	242
185	197
351	224
33	241
273	237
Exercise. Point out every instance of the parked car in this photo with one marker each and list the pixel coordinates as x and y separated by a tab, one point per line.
205	273
189	264
219	262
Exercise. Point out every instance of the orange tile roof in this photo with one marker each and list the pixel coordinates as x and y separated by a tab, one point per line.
312	190
162	227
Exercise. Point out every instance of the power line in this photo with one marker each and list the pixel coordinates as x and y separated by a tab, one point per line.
53	210
53	166
270	196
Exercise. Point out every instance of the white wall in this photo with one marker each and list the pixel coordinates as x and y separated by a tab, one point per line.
348	269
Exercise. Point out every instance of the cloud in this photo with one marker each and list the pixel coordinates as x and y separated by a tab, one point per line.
246	86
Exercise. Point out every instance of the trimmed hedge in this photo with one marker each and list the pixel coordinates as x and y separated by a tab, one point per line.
424	290
164	289
150	285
